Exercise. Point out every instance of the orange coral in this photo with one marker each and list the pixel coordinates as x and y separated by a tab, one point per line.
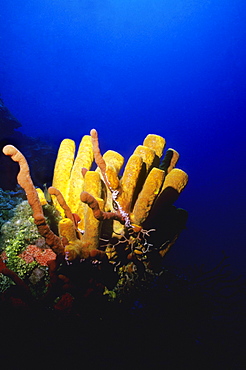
25	181
96	150
61	201
33	253
98	214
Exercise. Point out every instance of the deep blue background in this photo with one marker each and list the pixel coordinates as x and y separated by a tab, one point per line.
133	67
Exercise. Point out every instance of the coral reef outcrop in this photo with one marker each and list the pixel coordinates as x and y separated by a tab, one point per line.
112	226
8	123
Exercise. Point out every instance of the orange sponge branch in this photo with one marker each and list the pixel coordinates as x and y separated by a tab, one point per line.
25	181
98	214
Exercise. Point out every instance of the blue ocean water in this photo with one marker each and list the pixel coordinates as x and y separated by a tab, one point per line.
129	68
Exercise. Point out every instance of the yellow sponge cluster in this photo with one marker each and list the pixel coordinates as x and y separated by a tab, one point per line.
67	173
129	197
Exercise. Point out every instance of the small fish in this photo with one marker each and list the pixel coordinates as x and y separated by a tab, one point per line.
46	194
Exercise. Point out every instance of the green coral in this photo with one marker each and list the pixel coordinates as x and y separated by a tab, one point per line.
8	201
16	235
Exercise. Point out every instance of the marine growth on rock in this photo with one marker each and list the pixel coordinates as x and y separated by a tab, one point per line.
97	232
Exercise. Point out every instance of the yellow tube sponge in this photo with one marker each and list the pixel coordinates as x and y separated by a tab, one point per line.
75	249
128	185
62	171
114	159
170	160
83	159
155	142
129	181
147	154
147	196
114	183
92	185
176	179
174	160
92	227
114	162
79	249
112	178
67	230
41	196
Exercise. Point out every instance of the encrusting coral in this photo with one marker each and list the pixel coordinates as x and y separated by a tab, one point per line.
108	222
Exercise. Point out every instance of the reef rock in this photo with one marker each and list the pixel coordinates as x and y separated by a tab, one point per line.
8	123
38	152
